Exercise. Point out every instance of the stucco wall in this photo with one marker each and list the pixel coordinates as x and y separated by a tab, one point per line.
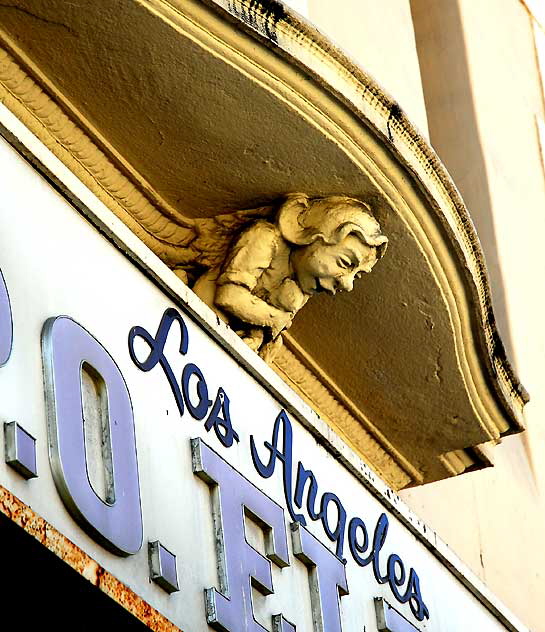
380	37
483	94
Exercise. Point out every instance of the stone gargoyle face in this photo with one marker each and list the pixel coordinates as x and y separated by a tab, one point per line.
331	268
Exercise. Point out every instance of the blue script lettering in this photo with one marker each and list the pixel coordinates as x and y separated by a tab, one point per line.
280	448
219	418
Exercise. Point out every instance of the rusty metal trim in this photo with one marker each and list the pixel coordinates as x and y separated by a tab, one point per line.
26	518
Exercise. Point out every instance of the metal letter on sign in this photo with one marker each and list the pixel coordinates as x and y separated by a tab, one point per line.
6	324
117	525
240	565
327	579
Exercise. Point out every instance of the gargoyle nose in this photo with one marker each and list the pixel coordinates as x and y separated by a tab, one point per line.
345	283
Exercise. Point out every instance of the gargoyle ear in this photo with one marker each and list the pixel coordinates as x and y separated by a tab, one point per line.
290	219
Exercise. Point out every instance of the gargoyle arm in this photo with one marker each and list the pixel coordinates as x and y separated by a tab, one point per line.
239	301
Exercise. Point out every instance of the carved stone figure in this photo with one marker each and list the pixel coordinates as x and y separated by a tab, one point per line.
256	269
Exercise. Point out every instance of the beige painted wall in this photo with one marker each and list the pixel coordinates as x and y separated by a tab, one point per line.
379	36
483	94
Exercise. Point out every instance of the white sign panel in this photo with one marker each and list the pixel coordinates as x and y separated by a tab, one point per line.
145	443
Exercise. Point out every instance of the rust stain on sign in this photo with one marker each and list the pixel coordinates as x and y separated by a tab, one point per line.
62	547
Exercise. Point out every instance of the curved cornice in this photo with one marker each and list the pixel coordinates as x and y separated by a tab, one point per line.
291	36
307	76
122	194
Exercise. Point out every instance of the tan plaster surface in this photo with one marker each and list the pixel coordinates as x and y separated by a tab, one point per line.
482	123
379	37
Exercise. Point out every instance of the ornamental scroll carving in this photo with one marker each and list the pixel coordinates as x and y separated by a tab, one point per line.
257	268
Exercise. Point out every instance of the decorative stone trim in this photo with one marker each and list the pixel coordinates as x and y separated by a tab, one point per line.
45	118
457	462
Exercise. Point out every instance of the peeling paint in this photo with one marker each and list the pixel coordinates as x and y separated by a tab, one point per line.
68	552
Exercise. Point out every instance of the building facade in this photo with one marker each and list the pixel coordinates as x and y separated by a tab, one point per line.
192	438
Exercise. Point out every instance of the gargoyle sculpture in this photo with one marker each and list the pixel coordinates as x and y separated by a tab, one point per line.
257	268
